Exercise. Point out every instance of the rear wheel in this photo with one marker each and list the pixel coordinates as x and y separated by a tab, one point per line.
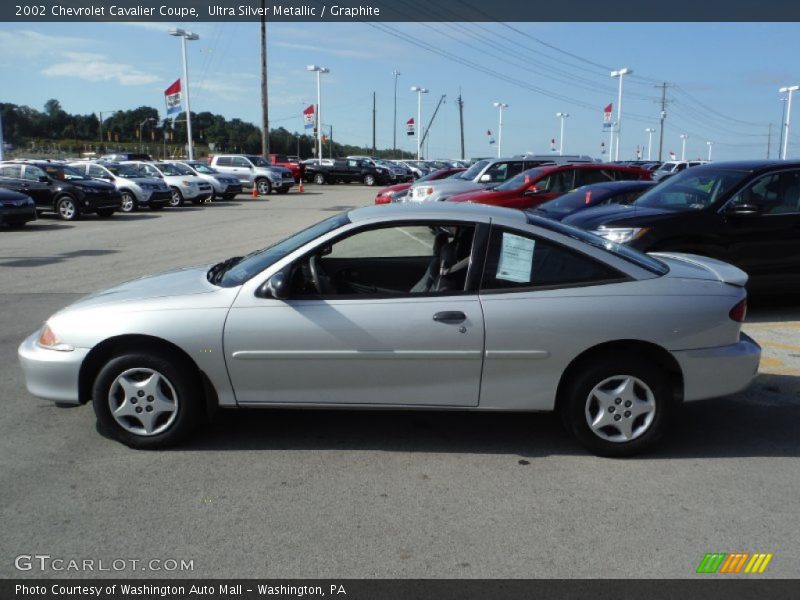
264	187
129	203
618	407
67	209
147	400
369	180
319	179
176	199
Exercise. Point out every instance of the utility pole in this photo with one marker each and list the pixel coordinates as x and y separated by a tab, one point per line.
264	102
663	87
374	147
769	139
395	74
461	121
783	121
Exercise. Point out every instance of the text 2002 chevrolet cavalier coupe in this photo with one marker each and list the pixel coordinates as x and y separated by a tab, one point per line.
452	307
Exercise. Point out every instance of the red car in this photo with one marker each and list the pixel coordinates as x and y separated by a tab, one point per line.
536	186
281	160
395	193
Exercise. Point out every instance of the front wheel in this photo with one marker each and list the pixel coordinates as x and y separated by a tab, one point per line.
176	199
129	203
618	407
146	400
67	209
264	187
319	179
369	180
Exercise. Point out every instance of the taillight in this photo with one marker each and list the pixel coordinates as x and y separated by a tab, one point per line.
382	199
739	312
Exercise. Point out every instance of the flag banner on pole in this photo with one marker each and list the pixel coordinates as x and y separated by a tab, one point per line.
172	96
672	155
491	137
410	126
607	117
308	117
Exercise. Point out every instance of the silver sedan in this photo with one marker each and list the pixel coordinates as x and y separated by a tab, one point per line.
440	306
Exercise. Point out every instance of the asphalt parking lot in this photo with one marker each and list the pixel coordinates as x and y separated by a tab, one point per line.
370	494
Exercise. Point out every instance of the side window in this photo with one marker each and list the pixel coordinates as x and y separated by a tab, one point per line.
224	161
502	171
587	176
559	182
402	260
772	194
33	173
239	161
625	175
14	171
352	163
95	171
519	261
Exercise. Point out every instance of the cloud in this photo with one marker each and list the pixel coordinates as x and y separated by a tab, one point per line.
30	44
95	67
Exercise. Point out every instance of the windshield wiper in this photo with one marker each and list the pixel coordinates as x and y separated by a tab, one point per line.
216	273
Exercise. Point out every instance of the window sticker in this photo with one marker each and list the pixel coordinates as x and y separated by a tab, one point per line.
516	259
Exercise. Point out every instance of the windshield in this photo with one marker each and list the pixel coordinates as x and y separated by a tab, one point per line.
204	168
575	200
523	179
127	171
474	170
257	261
64	173
259	161
173	169
693	189
621	250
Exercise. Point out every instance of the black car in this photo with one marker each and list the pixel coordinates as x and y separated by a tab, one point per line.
347	171
58	188
16	209
595	194
744	213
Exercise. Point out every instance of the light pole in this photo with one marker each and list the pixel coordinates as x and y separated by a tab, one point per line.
649	131
500	106
619	73
319	71
790	89
684	137
709	144
142	124
561	116
186	35
395	74
420	91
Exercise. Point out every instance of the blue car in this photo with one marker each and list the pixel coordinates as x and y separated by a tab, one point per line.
595	194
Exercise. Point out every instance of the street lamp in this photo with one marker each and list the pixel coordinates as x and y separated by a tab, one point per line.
709	144
420	91
684	137
561	116
790	89
395	74
319	71
186	35
619	73
142	124
500	106
649	131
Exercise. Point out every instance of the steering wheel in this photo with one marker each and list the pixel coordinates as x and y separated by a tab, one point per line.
319	278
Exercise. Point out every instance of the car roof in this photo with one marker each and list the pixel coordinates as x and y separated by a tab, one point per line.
750	165
436	210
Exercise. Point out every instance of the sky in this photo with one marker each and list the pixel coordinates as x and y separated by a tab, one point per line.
724	79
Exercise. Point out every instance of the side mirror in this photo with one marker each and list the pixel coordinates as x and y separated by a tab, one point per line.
531	191
276	287
744	209
485	178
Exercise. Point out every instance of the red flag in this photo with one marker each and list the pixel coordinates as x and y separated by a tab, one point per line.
173	89
172	97
608	108
308	117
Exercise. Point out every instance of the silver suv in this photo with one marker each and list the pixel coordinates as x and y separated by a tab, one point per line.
254	171
486	173
136	187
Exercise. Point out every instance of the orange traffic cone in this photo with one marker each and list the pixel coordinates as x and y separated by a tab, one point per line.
254	193
300	188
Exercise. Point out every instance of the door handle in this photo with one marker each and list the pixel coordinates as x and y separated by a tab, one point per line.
450	316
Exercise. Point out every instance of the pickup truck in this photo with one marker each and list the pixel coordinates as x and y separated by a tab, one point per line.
295	166
347	171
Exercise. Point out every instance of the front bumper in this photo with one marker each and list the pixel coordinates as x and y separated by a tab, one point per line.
15	214
51	374
159	196
720	371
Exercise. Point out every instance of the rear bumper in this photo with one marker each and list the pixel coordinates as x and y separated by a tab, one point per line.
51	374
714	372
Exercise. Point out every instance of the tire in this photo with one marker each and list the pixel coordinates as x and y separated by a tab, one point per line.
67	209
176	199
264	187
106	212
176	398
319	179
369	180
596	391
129	203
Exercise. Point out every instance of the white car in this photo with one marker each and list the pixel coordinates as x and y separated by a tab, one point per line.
225	186
136	187
669	168
183	183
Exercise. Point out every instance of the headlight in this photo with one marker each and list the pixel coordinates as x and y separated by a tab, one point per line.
187	183
621	235
49	340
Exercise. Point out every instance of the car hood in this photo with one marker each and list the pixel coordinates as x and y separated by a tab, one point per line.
451	187
180	282
616	214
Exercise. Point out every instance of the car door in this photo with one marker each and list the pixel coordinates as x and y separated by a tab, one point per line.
37	184
761	228
393	330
